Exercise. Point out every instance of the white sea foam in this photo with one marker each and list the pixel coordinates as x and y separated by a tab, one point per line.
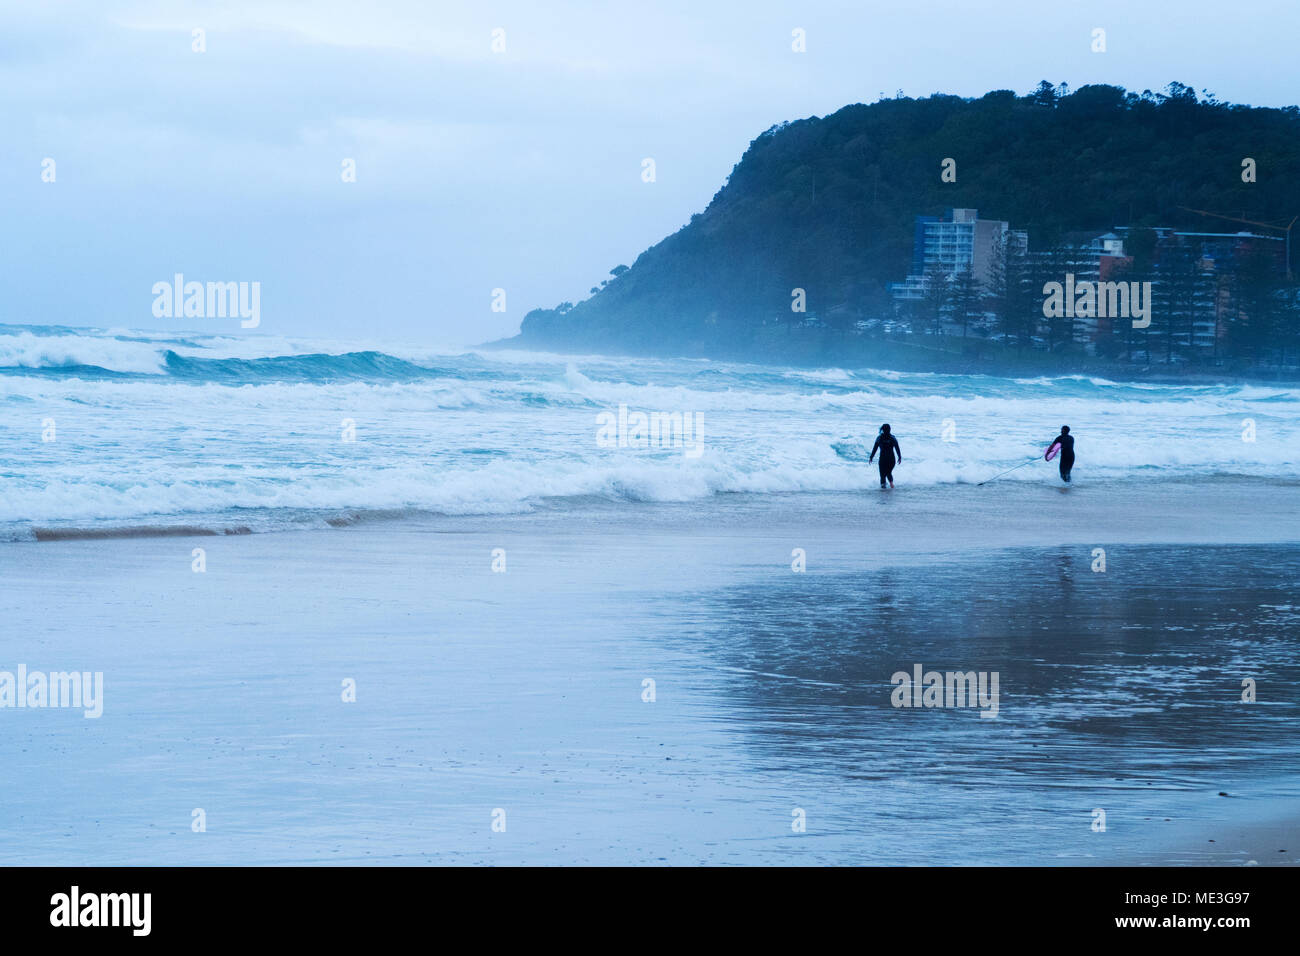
470	433
25	350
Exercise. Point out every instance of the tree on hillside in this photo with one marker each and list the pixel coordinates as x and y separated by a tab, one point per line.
1014	300
967	300
1056	264
1180	299
1259	305
935	303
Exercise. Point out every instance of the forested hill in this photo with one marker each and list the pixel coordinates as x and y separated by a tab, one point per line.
828	205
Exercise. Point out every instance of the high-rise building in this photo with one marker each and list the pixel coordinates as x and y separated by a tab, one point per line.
958	242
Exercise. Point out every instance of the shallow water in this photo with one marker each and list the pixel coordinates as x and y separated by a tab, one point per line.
522	691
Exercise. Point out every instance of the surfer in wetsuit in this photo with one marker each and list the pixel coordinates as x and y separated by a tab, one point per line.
1066	441
887	445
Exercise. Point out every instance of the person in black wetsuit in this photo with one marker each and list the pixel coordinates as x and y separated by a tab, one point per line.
887	445
1067	452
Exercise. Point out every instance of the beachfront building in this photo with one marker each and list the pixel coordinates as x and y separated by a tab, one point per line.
955	244
973	276
1217	257
1191	274
1090	256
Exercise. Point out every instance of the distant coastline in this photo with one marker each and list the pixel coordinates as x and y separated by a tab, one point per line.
987	358
938	234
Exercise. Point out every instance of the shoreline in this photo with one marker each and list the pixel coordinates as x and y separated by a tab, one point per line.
937	517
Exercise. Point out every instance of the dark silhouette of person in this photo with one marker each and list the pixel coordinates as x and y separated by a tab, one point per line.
1066	441
887	445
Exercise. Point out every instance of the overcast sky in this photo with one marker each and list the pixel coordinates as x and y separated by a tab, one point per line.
478	170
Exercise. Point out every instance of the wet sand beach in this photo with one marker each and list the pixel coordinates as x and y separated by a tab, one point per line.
523	690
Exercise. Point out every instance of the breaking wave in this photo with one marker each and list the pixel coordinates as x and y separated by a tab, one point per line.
154	431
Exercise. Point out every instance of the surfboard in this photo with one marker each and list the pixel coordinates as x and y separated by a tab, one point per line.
851	450
1053	450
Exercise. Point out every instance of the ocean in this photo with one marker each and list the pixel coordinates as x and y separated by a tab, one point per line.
370	604
105	429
